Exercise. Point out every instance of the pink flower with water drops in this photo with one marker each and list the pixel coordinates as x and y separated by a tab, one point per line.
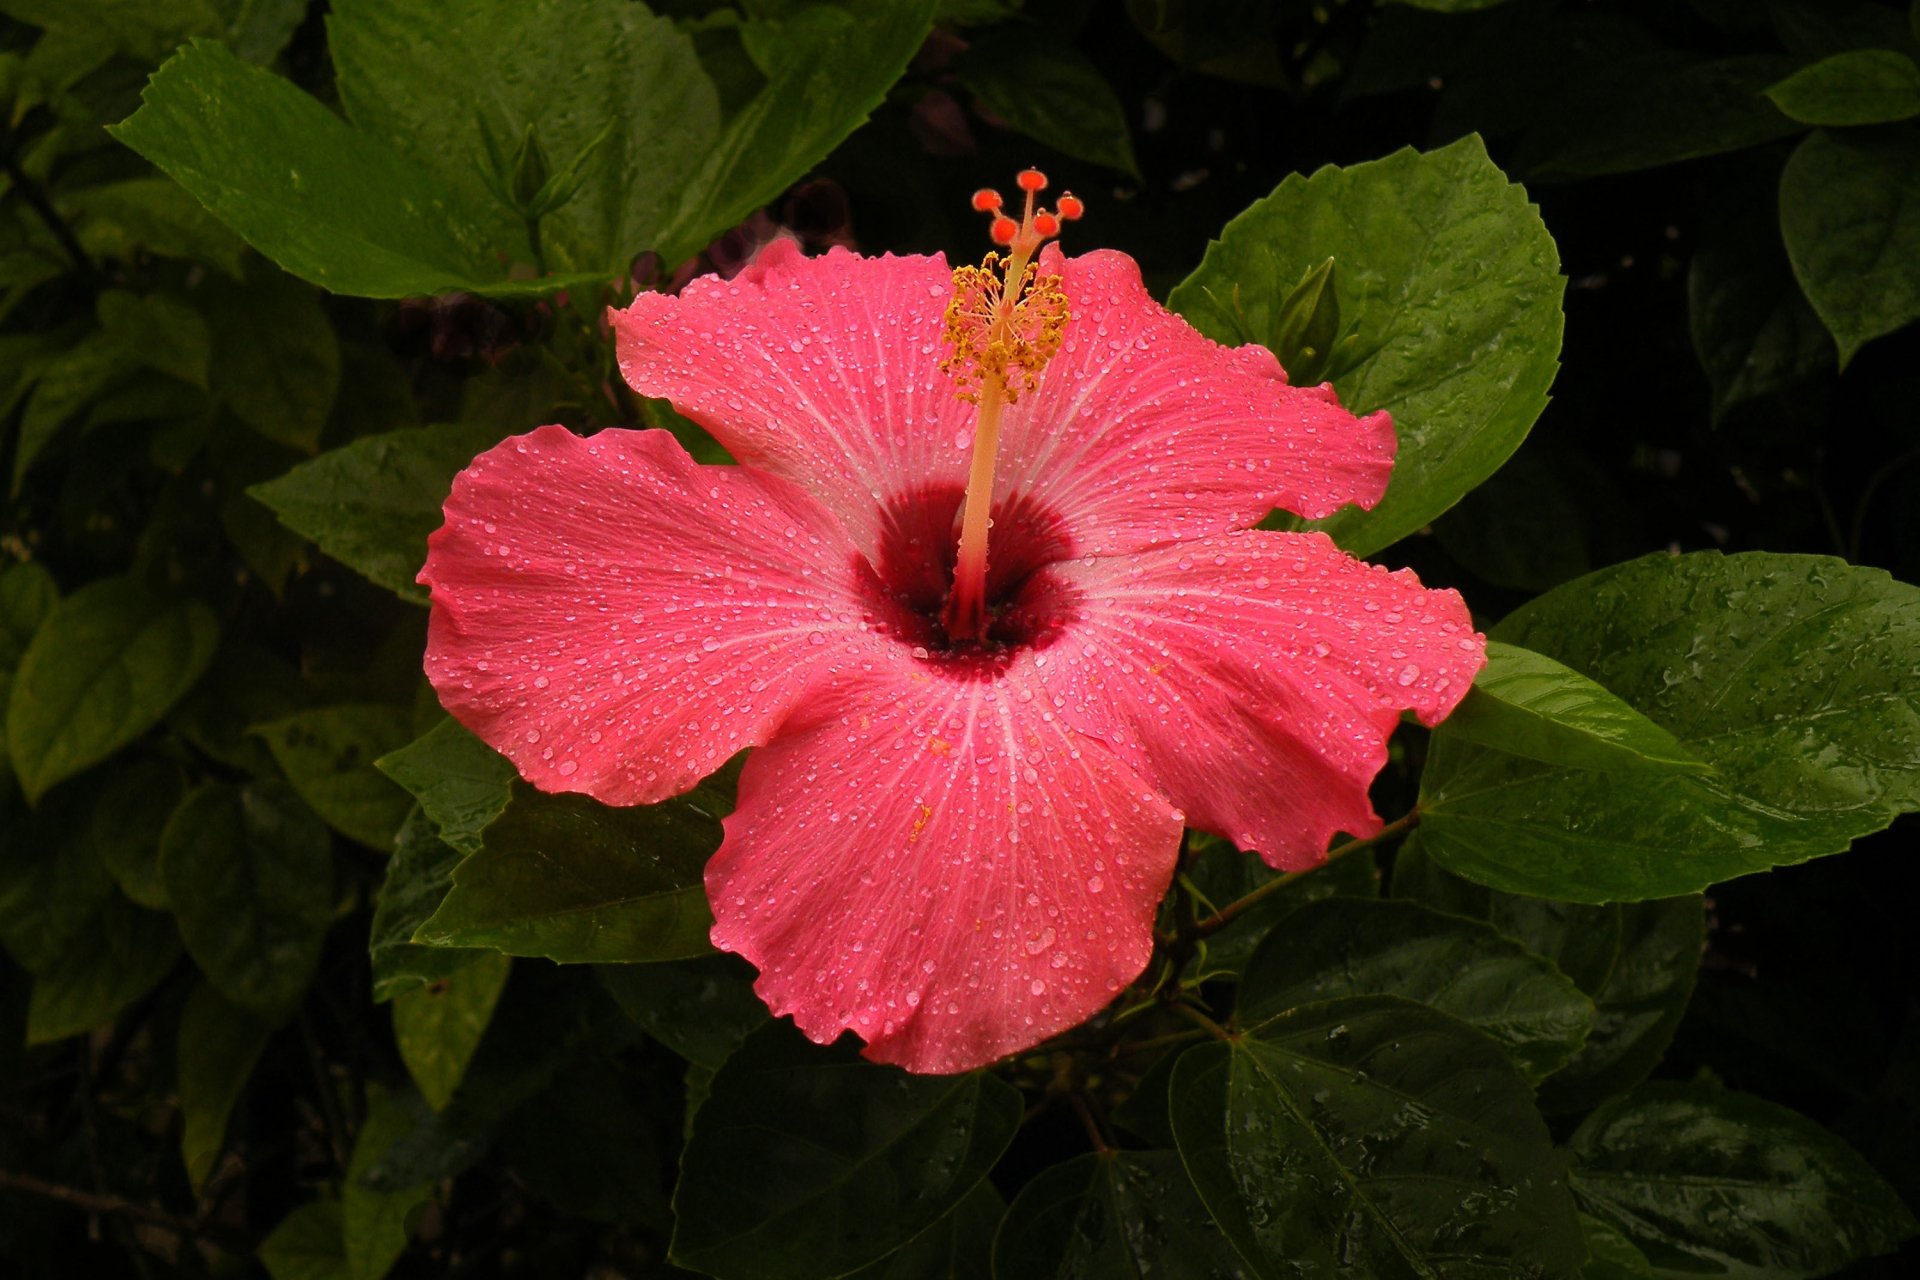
984	595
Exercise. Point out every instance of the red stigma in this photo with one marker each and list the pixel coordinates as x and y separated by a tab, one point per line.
1032	180
1071	207
1004	229
986	200
1046	224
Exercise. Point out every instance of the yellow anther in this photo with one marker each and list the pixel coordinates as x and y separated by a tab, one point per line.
994	337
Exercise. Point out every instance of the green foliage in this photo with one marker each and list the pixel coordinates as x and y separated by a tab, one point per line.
327	753
572	880
462	784
1706	1182
437	1027
348	214
1112	1213
809	1163
233	820
372	503
1862	86
103	667
1048	90
218	1046
1349	947
1749	661
248	870
1411	1145
1528	705
1453	291
1850	212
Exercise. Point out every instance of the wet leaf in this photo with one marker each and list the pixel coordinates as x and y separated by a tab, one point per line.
1706	1182
462	784
127	952
567	878
1112	1213
1757	664
1452	285
372	503
1526	704
1371	1136
1467	970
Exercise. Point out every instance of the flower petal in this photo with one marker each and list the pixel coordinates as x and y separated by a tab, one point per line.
617	619
941	866
822	370
1143	431
1255	678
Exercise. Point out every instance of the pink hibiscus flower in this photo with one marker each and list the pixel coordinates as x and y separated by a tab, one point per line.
973	763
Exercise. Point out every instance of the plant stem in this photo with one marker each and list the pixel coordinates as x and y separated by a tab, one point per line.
1227	914
1201	1020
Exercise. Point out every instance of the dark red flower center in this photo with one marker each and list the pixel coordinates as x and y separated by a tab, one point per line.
1028	605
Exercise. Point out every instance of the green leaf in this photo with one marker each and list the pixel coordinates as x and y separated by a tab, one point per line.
701	1009
1222	874
373	1223
418	876
1861	86
548	1020
371	504
126	953
161	332
1044	87
807	1162
958	1247
1610	1255
438	1026
427	83
1369	1137
1752	663
307	1245
1753	328
826	66
153	215
102	669
64	384
1850	212
1112	1213
1462	968
462	784
327	753
27	596
276	357
1528	705
1654	108
52	886
567	878
1710	1183
249	872
215	1053
1637	961
324	201
1452	285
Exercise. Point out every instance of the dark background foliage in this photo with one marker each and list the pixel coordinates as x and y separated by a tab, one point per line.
1701	405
